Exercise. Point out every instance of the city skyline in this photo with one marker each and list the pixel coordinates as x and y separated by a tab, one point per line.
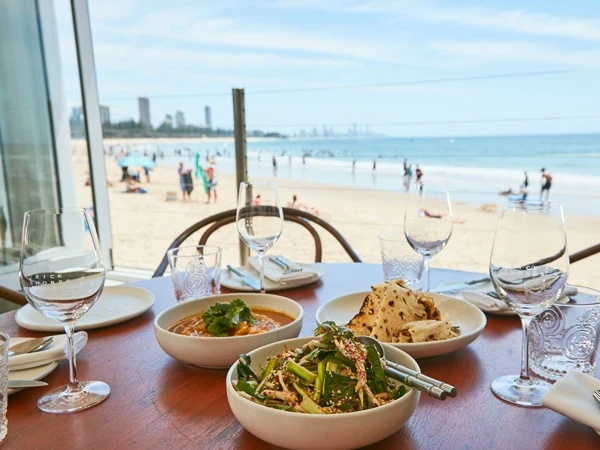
402	68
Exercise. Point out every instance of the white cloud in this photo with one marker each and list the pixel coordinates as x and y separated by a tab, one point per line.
181	25
120	56
518	20
515	51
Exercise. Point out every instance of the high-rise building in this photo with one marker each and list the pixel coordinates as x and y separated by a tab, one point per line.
207	116
104	115
179	119
144	106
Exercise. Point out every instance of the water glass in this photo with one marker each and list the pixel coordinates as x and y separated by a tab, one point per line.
195	271
399	260
3	386
566	336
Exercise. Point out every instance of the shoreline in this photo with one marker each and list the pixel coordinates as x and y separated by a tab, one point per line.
143	225
473	182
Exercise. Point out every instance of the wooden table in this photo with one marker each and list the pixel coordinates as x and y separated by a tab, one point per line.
157	402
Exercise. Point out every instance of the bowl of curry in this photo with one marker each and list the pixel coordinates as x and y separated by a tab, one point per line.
213	331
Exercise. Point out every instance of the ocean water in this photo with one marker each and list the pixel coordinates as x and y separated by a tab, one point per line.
473	169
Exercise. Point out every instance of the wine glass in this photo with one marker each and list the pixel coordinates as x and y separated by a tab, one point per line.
62	275
528	267
428	225
259	219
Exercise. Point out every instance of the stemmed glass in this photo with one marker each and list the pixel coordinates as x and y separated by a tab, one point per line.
259	219
62	275
528	266
428	225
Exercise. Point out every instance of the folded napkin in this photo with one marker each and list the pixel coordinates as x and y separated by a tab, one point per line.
54	352
479	298
484	302
278	275
571	396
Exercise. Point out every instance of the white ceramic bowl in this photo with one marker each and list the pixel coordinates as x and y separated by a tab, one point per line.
470	320
221	352
322	431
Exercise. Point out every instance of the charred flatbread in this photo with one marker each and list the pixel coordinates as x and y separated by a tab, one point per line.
389	307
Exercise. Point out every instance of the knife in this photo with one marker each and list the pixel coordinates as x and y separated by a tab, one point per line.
17	384
247	279
457	287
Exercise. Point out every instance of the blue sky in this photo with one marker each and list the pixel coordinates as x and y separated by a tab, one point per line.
178	52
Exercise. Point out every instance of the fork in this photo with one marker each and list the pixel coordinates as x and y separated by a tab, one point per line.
287	268
596	395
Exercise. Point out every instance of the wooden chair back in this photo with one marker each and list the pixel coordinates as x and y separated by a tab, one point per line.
303	218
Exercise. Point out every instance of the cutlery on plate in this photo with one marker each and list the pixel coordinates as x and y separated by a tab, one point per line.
288	268
17	384
461	286
596	395
247	279
431	386
30	345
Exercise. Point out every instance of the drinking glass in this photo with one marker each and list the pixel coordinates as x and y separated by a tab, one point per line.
259	219
62	275
528	267
399	260
428	225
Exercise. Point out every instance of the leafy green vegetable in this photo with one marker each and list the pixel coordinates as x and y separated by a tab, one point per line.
223	317
300	371
244	371
339	391
376	378
398	392
335	374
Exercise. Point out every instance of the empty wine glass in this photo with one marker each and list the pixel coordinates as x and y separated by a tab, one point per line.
62	275
428	225
528	267
259	219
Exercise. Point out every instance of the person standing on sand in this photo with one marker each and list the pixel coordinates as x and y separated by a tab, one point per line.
374	165
211	174
407	175
524	186
546	184
418	182
185	181
274	160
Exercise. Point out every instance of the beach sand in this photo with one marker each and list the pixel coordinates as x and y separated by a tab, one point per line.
143	225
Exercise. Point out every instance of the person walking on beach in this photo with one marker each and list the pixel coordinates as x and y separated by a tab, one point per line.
274	166
374	165
546	184
524	190
407	175
186	183
418	182
211	174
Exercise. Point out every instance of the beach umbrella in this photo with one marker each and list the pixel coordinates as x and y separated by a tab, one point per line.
136	161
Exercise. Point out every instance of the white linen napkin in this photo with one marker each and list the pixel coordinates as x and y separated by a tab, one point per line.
54	352
484	302
571	396
278	275
479	298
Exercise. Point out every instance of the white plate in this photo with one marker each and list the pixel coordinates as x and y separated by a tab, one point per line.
116	304
35	373
232	281
462	314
